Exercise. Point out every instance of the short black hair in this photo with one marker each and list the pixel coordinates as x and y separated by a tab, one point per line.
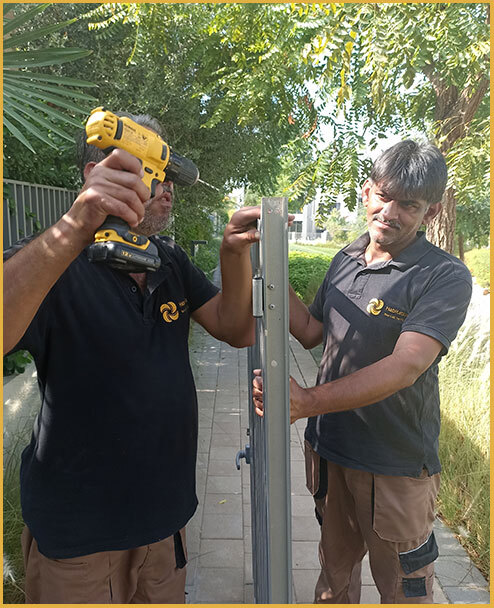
86	153
411	170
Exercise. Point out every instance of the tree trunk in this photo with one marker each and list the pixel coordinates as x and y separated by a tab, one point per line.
441	231
461	247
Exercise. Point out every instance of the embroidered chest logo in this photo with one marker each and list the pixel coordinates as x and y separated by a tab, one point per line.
376	306
171	311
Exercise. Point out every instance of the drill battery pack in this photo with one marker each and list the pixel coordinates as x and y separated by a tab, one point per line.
120	248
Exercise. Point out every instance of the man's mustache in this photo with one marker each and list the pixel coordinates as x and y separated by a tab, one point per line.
383	220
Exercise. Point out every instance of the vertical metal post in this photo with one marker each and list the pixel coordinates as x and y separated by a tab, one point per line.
269	451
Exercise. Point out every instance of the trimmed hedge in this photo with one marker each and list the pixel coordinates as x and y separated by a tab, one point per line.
307	272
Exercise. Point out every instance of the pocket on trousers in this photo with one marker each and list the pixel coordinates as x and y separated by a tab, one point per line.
74	580
315	472
421	556
404	507
414	587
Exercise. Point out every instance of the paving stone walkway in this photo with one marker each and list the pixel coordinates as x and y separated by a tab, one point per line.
219	535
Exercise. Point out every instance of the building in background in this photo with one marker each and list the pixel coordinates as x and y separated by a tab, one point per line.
304	227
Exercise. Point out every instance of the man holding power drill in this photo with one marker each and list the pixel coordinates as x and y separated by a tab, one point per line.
108	480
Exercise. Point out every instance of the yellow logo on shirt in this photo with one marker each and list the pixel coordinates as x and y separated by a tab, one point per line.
375	306
169	312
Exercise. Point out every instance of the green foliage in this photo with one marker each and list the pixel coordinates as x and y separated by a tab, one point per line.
45	167
337	226
478	262
13	587
157	59
473	221
336	68
36	103
344	230
464	450
16	362
208	256
19	430
250	91
306	273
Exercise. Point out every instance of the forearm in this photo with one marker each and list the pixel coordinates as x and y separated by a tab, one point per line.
363	387
29	275
302	325
235	309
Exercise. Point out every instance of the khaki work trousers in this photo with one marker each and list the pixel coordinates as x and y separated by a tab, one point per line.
152	574
391	517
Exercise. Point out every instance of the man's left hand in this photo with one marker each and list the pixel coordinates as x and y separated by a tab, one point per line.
241	231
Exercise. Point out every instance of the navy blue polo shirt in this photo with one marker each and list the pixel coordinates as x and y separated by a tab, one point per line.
111	463
364	310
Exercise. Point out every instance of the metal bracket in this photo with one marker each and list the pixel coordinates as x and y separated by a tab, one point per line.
245	453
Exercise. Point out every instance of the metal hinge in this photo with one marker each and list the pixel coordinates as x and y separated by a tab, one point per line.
257	297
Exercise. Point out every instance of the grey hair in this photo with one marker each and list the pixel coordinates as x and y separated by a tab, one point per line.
86	153
411	170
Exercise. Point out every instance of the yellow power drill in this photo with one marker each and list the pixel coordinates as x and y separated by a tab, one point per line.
114	242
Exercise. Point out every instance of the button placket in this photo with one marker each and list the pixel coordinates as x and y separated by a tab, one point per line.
359	284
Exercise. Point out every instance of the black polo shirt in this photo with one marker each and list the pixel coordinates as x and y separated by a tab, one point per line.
364	310
111	463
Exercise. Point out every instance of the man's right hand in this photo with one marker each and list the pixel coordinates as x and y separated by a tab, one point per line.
113	186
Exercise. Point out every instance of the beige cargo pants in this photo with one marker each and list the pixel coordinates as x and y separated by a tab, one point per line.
391	517
152	574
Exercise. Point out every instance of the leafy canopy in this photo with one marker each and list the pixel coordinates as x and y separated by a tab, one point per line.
36	103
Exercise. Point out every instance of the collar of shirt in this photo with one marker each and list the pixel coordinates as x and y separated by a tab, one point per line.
409	256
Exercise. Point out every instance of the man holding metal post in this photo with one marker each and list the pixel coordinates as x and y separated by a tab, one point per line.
387	311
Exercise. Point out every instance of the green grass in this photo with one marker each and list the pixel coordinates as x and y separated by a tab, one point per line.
478	262
322	248
464	442
13	578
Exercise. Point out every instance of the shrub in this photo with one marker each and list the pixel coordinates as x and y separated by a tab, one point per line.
207	256
478	262
307	272
16	362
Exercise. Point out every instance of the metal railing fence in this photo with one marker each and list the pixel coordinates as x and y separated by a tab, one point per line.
31	208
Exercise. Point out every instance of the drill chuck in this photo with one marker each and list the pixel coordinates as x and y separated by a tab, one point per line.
181	170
